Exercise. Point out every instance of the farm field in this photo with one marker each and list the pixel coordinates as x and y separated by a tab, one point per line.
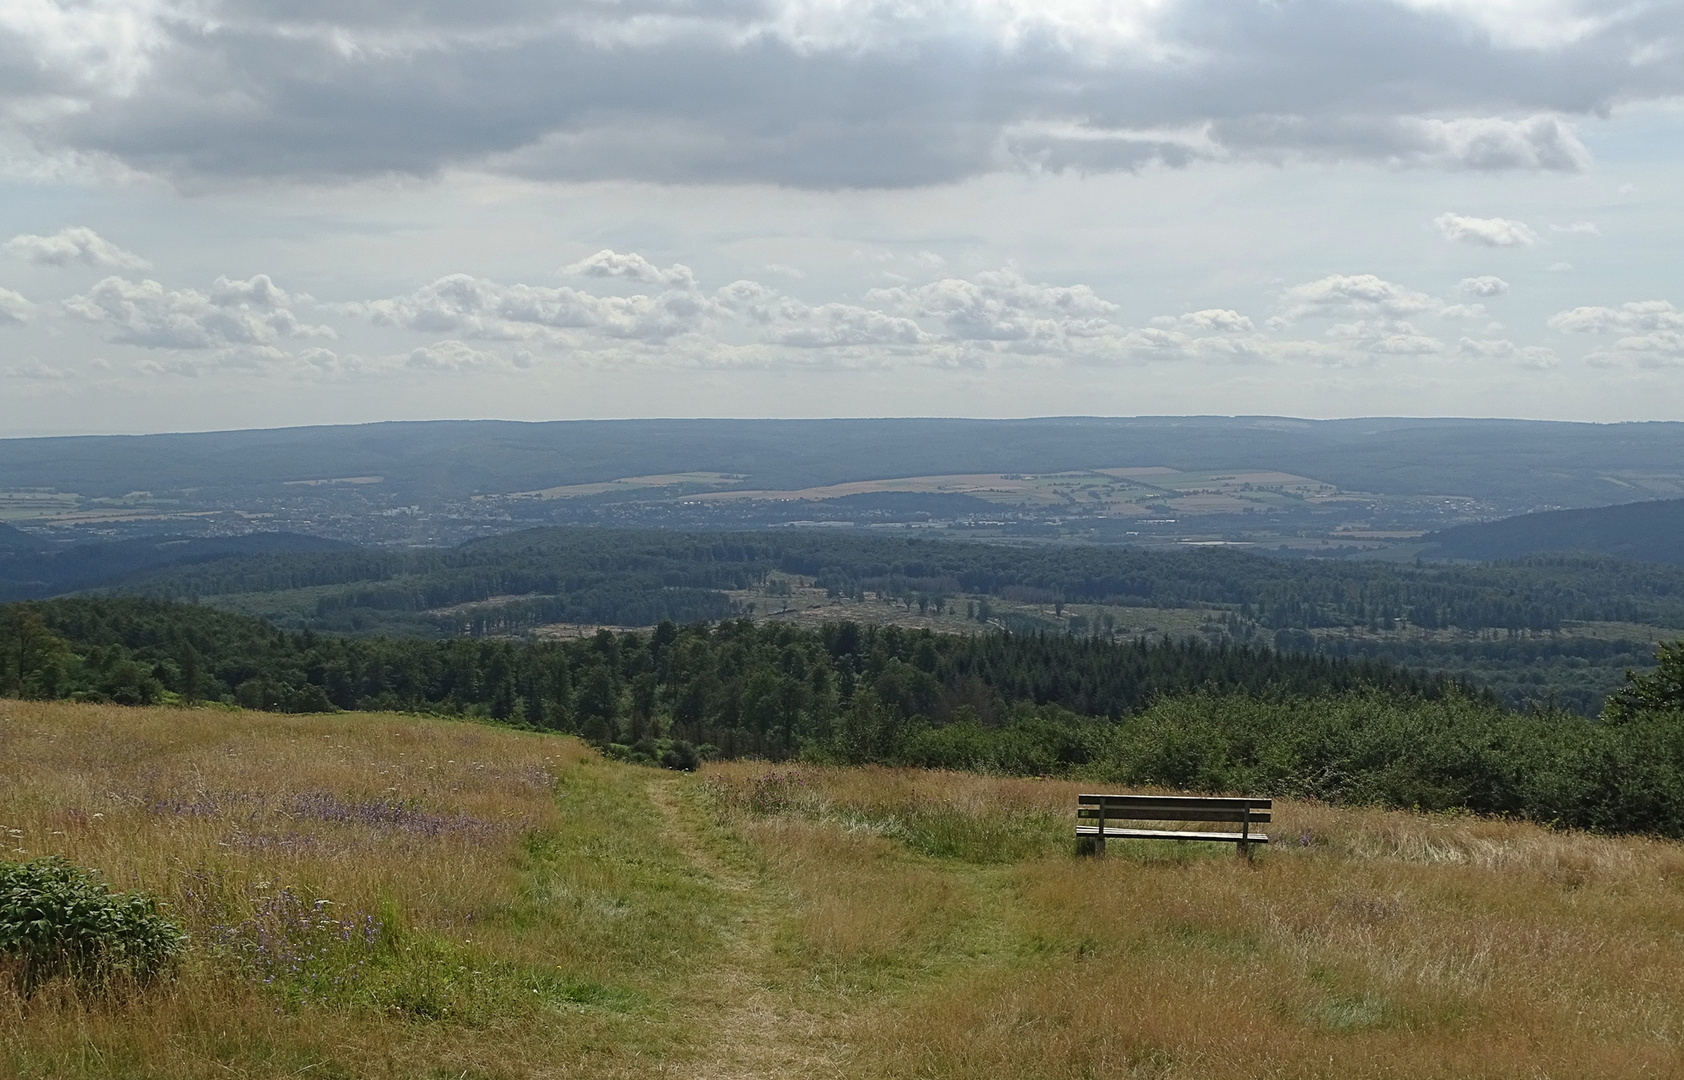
385	896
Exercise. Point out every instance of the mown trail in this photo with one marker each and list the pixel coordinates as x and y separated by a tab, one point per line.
758	1028
781	996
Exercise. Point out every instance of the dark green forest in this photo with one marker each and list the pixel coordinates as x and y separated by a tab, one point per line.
1519	613
1180	714
640	576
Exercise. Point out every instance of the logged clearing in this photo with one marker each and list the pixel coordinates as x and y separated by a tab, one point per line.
384	896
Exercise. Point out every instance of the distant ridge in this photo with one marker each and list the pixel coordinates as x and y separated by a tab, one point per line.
13	539
1519	462
1646	531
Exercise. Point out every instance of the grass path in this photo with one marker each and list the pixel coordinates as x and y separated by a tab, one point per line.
801	976
760	1029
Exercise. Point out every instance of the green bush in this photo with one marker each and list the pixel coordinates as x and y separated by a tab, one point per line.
58	919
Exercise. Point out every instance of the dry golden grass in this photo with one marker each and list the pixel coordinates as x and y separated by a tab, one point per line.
564	916
502	953
1364	944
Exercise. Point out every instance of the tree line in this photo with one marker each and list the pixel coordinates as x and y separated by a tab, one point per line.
1180	714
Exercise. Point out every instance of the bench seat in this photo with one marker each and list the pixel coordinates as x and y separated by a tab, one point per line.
1167	834
1098	811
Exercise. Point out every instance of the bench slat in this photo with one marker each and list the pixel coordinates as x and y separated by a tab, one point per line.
1166	834
1185	801
1170	813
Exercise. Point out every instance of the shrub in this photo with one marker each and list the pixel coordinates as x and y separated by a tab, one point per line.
58	919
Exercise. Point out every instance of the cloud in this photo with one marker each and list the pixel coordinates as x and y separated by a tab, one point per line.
1489	232
454	357
1210	320
1578	228
250	313
990	319
1353	294
1642	316
846	325
1653	332
1484	286
14	308
818	95
1483	144
1531	357
610	264
1002	306
479	308
74	244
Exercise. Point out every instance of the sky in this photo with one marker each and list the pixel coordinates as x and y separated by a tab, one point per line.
255	213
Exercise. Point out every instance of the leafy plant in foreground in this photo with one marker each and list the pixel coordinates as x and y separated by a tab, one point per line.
58	919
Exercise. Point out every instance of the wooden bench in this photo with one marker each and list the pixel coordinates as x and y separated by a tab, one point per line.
1100	810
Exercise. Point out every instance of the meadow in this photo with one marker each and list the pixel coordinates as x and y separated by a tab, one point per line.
374	895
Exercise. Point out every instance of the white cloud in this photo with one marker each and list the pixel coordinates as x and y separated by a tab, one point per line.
1345	295
453	356
1638	317
14	308
1484	286
1210	320
990	319
1002	306
610	264
1531	357
75	244
1653	332
248	313
480	308
846	325
1578	228
1490	232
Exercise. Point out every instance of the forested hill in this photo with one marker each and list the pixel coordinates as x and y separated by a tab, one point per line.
519	580
13	540
766	689
1650	531
31	568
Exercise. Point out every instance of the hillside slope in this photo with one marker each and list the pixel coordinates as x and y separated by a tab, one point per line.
382	897
31	569
1647	531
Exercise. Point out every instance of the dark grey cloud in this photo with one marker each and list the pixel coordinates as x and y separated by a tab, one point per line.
820	96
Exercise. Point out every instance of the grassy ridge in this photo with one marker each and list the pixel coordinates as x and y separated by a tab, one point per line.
544	913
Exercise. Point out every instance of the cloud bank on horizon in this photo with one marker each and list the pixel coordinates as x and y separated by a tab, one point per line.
116	115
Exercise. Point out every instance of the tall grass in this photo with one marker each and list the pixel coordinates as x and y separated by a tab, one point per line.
1363	943
365	895
382	896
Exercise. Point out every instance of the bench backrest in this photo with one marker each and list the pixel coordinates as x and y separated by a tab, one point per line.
1172	808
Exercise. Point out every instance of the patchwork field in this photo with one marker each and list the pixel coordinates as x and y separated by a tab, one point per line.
384	896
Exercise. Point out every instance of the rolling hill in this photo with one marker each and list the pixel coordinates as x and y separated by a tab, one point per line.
1646	531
